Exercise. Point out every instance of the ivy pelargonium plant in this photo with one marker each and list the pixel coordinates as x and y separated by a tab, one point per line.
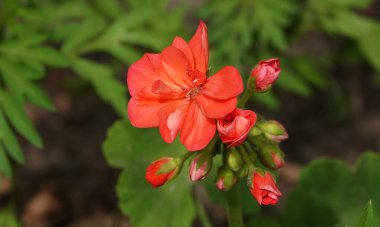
173	91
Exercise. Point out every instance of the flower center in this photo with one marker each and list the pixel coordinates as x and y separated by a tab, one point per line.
190	95
198	79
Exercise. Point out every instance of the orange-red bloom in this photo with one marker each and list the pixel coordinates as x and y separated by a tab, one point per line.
161	171
234	127
170	90
264	189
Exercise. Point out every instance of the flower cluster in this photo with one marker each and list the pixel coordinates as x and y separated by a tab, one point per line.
173	91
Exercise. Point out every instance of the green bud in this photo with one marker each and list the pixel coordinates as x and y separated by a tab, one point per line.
234	159
271	156
255	131
226	179
273	130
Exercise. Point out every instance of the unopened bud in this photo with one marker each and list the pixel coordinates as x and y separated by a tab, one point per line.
226	179
264	75
273	130
255	131
162	170
244	170
200	166
271	156
234	159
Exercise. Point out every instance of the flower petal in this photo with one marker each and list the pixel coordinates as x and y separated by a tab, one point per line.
176	65
214	108
197	130
143	108
199	47
145	72
171	118
225	84
182	45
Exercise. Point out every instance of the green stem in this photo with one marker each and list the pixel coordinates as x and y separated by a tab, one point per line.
245	155
202	213
243	100
235	214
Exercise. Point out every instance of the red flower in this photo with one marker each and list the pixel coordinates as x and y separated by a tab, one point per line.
266	73
170	90
234	127
264	189
161	171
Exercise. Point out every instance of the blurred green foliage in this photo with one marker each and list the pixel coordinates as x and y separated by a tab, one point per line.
8	218
331	194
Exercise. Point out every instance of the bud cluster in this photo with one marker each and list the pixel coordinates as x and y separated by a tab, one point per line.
249	146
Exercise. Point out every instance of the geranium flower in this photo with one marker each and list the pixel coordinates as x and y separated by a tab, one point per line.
264	189
170	90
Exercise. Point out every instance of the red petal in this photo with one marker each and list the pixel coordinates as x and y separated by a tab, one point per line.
213	108
145	72
171	118
144	107
199	47
197	130
176	65
225	84
182	45
166	91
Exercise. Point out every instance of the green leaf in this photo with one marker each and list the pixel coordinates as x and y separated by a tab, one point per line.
8	218
10	141
134	149
49	56
268	99
293	83
331	194
16	77
5	166
366	220
16	115
39	97
107	87
110	8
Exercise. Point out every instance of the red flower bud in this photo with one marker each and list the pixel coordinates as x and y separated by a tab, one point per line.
161	171
225	180
235	126
278	160
265	74
271	156
264	189
200	166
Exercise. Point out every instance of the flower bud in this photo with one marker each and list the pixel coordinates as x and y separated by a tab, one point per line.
271	156
234	127
273	130
243	172
265	74
161	171
200	166
263	188
234	159
226	179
